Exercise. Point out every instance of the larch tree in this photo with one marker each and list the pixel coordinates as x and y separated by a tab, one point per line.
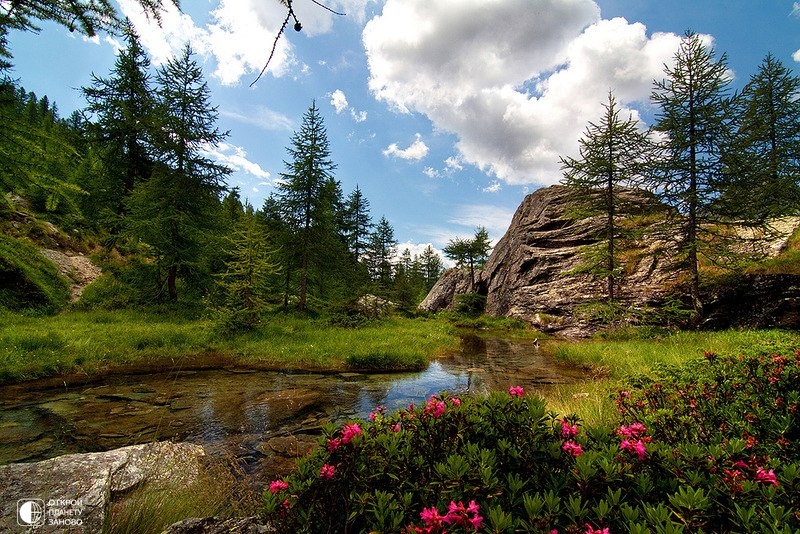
693	119
762	159
303	194
124	110
613	152
176	208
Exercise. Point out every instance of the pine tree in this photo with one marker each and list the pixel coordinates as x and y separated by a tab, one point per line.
431	267
612	155
358	223
304	196
471	253
693	117
173	210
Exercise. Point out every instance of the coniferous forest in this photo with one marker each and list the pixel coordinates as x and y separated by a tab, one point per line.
131	174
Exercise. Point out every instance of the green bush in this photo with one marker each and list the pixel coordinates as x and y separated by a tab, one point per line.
28	280
719	457
470	303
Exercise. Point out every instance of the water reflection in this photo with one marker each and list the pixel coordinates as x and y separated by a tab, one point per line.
233	412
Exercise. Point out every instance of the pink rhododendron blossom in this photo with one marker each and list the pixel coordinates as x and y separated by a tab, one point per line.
567	430
572	448
767	477
435	407
431	518
591	530
516	391
634	446
633	431
397	427
277	486
350	431
456	401
327	471
333	444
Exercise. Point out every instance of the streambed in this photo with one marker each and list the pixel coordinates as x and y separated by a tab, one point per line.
251	417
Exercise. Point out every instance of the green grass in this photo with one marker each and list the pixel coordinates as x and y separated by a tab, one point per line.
94	341
637	351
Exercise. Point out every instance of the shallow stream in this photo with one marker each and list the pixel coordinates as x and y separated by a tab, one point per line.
248	416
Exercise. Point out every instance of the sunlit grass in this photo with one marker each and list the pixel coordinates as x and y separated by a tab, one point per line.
92	341
608	362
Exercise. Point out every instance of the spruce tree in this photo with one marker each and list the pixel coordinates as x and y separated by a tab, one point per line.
381	253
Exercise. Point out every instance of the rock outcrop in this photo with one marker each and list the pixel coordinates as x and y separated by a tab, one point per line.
531	273
78	489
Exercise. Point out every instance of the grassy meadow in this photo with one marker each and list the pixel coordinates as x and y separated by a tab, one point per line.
91	342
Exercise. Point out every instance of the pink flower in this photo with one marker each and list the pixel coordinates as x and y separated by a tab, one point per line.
456	401
397	427
767	477
516	391
435	407
277	486
554	531
572	448
327	471
431	518
567	430
333	444
633	431
459	515
590	530
634	446
350	431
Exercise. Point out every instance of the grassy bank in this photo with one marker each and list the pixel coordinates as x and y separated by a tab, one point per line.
94	341
611	360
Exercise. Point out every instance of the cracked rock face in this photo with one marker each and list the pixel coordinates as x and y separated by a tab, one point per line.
528	277
82	486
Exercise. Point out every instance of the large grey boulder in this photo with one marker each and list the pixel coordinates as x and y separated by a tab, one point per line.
77	489
453	282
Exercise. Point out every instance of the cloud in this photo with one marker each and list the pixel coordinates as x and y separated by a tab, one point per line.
235	158
239	34
339	101
340	104
493	187
515	80
414	152
262	117
494	218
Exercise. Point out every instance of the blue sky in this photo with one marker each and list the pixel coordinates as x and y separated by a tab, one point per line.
445	113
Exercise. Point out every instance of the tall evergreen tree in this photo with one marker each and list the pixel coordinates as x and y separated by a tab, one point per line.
431	267
381	253
612	155
125	117
693	117
173	210
304	195
358	223
763	157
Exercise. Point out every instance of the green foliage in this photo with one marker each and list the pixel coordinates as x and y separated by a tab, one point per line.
694	451
28	280
470	303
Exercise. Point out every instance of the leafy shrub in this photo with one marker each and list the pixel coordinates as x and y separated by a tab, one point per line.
706	458
470	303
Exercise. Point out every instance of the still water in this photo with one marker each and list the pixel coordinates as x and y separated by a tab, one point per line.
235	412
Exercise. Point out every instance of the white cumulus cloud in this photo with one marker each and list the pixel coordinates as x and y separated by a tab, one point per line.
415	151
515	80
339	101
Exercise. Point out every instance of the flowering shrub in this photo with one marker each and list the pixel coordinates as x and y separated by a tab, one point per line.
711	447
